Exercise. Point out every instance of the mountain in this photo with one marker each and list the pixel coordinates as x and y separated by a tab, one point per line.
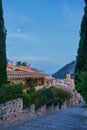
67	69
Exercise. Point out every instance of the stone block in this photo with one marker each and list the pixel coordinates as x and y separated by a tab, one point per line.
50	109
56	108
43	109
64	106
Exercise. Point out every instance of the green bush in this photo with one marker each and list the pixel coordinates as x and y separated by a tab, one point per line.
31	90
60	94
44	96
50	96
81	85
29	97
10	92
26	101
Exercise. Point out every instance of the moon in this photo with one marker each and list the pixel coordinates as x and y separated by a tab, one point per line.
18	30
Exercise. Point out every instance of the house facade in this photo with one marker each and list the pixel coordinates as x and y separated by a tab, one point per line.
24	74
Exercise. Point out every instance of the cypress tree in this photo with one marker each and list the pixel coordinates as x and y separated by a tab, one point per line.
81	59
3	59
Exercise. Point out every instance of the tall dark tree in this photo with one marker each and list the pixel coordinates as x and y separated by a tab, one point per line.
3	59
81	60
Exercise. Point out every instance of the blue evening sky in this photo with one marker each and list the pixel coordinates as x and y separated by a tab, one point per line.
44	33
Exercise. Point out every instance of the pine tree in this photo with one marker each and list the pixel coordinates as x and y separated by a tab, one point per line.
81	59
3	59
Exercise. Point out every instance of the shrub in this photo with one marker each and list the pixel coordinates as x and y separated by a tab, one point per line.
10	92
60	95
31	90
26	101
44	96
29	97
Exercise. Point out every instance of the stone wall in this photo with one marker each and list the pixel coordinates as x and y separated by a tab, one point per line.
12	111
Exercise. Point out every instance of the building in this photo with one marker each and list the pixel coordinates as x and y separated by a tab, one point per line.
23	74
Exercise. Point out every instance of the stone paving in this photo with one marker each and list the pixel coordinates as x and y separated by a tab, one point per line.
74	118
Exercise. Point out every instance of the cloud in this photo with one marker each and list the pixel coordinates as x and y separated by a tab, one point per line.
34	58
71	16
22	36
67	11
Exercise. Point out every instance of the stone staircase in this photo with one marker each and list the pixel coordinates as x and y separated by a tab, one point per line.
73	118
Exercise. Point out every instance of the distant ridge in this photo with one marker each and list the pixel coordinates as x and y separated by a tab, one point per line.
67	69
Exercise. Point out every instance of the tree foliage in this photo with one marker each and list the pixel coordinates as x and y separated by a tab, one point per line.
3	59
10	92
19	63
44	96
81	86
81	59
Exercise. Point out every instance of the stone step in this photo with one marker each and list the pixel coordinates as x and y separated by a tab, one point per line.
74	118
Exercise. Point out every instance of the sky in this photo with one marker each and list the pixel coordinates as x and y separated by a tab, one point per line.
43	33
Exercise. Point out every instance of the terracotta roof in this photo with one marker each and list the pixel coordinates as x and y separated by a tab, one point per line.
23	72
21	68
18	74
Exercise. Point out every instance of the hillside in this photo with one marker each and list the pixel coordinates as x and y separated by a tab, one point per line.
67	69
